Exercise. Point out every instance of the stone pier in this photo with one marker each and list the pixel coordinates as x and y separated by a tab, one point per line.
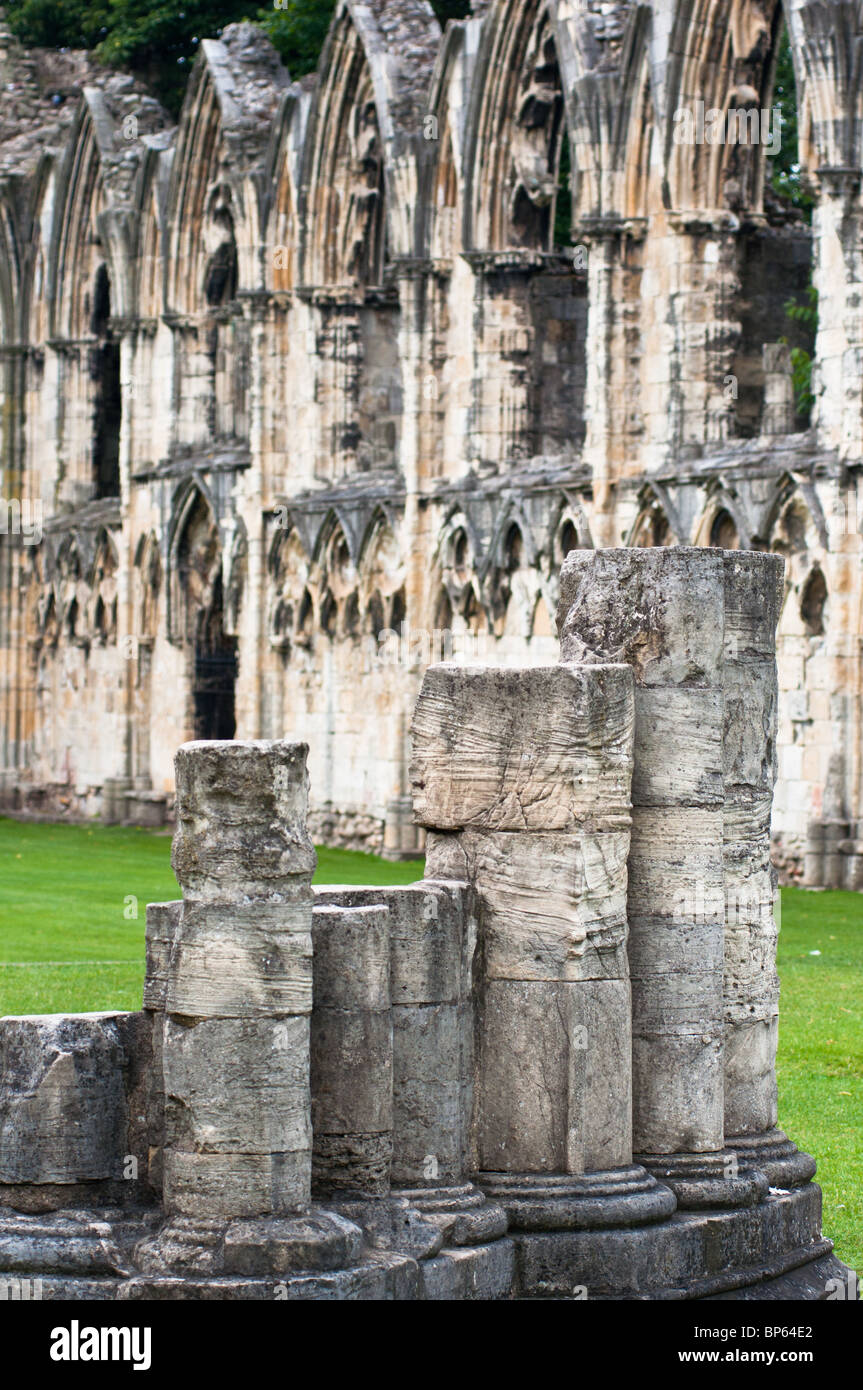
239	993
522	781
697	626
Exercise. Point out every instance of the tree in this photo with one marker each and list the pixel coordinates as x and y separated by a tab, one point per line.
158	39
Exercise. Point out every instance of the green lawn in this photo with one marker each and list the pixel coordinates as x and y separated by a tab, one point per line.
73	905
70	941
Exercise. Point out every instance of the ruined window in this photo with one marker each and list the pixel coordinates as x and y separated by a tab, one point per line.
536	145
723	532
376	615
305	620
398	612
460	550
351	624
220	279
513	550
563	200
328	614
568	539
212	652
100	622
812	603
215	671
107	395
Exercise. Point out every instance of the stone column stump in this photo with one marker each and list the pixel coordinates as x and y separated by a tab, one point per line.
522	780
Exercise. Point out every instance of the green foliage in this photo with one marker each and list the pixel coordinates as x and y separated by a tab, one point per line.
805	314
45	24
785	178
158	39
821	1050
297	31
563	201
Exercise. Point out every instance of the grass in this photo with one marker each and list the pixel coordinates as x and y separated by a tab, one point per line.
70	941
73	906
820	1062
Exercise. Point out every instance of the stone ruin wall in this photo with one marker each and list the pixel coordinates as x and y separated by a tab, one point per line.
309	365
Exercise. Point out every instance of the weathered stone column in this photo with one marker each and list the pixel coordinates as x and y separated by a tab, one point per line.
163	919
753	602
352	1052
663	612
432	936
239	996
522	779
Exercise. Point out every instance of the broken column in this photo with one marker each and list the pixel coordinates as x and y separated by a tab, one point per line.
64	1109
352	1052
753	602
432	935
522	779
239	997
694	839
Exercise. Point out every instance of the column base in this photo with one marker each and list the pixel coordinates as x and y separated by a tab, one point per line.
320	1255
774	1155
772	1250
709	1181
563	1202
462	1213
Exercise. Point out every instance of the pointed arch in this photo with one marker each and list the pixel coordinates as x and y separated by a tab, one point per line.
383	574
364	145
282	222
721	520
516	130
722	57
77	248
148	571
214	204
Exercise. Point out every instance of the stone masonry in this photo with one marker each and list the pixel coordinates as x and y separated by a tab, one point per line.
546	1071
318	386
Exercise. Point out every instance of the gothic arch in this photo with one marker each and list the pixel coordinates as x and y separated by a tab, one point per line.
722	56
787	489
445	133
360	165
722	514
78	247
214	204
611	108
198	618
291	614
652	526
281	250
517	126
382	576
148	573
457	590
193	504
